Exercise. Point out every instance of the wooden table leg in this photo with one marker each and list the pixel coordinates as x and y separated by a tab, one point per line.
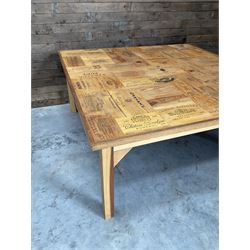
71	100
107	175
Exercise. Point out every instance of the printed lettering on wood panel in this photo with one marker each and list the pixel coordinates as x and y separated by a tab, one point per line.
127	91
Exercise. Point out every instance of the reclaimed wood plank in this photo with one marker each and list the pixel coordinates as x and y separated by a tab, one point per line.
140	22
49	95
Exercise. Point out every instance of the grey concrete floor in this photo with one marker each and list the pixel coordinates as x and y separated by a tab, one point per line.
166	193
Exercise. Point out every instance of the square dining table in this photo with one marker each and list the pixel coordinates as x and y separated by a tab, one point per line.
131	96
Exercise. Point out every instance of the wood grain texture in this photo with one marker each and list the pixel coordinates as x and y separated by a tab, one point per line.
107	176
119	155
70	24
126	95
71	100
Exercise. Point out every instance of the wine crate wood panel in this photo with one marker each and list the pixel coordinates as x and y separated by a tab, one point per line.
127	97
125	92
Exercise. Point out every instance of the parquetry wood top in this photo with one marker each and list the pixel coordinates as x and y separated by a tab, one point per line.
123	94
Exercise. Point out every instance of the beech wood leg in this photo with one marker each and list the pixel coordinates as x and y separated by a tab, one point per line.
107	176
71	100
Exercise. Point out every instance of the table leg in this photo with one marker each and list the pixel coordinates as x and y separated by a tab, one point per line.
71	100
107	176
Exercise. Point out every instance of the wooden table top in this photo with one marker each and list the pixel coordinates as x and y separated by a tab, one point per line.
125	95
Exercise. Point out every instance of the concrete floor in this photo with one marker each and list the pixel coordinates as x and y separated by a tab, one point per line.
166	193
